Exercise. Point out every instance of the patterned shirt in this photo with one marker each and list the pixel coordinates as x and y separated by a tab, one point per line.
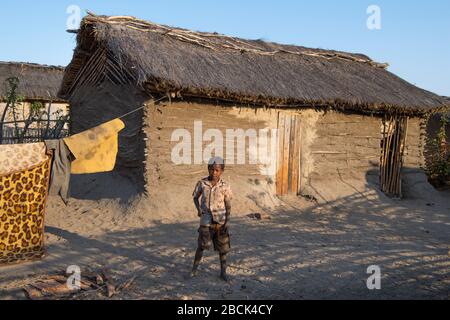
213	200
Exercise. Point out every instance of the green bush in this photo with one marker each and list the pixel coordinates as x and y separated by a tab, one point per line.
439	168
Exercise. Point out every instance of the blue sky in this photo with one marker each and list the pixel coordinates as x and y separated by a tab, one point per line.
414	36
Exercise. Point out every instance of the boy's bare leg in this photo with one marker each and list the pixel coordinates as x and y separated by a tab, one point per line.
223	267
197	260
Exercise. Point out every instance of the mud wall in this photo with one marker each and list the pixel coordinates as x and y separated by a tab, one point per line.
91	107
170	185
340	153
414	159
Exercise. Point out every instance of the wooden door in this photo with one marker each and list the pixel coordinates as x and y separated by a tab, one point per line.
392	149
288	162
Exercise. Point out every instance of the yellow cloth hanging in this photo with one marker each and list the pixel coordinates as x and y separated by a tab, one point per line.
95	150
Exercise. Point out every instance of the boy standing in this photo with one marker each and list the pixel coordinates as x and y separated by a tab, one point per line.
214	213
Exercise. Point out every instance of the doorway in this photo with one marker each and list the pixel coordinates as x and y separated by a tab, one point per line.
394	132
289	155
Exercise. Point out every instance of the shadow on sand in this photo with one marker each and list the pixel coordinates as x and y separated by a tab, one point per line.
320	251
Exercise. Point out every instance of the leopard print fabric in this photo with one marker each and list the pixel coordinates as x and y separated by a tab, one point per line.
23	196
19	157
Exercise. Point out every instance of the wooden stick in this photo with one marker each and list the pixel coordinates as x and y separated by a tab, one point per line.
286	152
280	148
386	162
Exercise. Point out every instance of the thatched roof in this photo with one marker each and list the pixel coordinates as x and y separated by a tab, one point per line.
36	82
164	60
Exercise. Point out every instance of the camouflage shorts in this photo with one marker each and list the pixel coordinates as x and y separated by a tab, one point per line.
216	234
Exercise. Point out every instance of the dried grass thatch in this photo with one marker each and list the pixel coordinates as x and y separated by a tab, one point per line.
207	65
37	82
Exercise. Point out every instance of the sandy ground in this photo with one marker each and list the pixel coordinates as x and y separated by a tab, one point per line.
305	251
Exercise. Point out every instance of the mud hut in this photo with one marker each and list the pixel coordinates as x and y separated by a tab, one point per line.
339	118
37	83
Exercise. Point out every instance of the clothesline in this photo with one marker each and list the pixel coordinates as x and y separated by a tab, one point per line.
140	108
53	161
